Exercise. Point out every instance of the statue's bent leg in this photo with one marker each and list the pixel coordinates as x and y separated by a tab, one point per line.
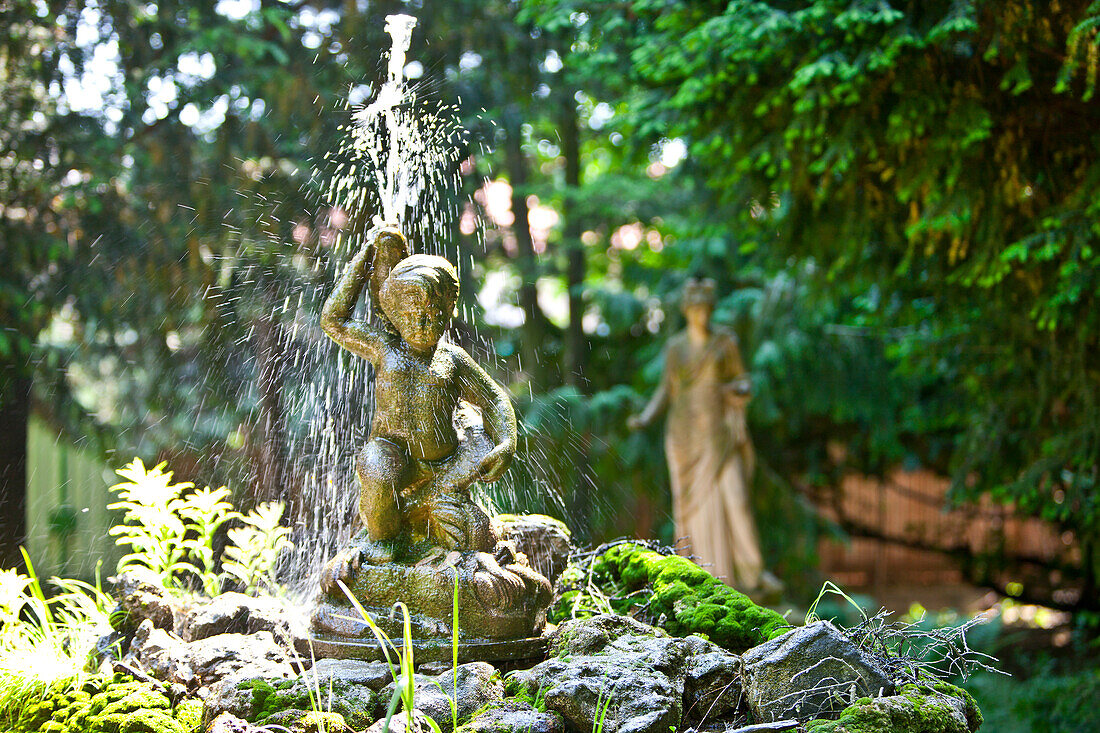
383	469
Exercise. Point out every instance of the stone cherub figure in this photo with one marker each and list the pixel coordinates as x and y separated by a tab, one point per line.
426	445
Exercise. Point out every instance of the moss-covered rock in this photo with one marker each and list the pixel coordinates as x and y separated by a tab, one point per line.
939	708
271	698
679	596
189	713
118	705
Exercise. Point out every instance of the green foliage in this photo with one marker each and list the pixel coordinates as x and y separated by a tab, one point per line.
253	549
1046	700
939	157
173	533
45	644
669	590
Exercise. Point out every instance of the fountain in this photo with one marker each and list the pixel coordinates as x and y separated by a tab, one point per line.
440	424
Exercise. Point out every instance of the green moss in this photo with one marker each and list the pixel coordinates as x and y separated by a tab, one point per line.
118	705
189	713
270	699
688	598
916	709
320	723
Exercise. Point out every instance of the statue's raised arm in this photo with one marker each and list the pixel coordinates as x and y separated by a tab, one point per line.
385	247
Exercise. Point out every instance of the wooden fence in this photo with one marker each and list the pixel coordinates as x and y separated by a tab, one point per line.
908	508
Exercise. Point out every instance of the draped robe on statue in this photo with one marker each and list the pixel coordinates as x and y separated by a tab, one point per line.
710	456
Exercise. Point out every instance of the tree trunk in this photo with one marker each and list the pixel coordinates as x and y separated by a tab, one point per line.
534	326
576	346
268	482
15	410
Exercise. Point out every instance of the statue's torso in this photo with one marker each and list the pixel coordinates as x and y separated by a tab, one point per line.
415	402
699	377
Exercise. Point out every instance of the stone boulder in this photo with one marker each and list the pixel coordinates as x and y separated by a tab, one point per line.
348	688
400	723
141	596
478	686
712	687
236	613
202	664
632	676
544	540
229	723
809	672
514	716
938	709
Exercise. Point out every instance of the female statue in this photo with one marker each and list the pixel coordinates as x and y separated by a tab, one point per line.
705	389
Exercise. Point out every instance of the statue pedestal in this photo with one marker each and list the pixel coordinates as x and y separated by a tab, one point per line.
502	606
323	646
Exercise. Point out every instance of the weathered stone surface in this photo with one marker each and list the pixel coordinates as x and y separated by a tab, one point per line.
639	677
348	689
203	663
514	716
400	723
478	685
285	620
915	710
374	675
224	614
237	613
160	653
544	540
712	689
141	596
499	598
228	723
809	672
231	696
592	635
308	721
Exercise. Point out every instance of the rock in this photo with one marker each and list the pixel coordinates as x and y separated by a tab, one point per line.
305	721
141	596
591	635
399	723
231	695
374	675
915	710
683	596
161	654
514	716
224	614
433	668
279	616
236	613
478	685
223	655
226	723
345	687
544	540
712	689
203	663
613	667
808	672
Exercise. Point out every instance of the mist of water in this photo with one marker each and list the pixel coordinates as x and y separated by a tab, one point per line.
396	163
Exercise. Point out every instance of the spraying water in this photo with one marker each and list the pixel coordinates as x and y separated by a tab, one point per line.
396	163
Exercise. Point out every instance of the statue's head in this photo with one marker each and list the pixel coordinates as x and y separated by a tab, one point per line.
419	297
697	298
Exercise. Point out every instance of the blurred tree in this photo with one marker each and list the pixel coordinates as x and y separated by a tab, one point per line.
943	157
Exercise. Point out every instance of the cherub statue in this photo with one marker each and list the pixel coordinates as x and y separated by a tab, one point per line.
426	447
